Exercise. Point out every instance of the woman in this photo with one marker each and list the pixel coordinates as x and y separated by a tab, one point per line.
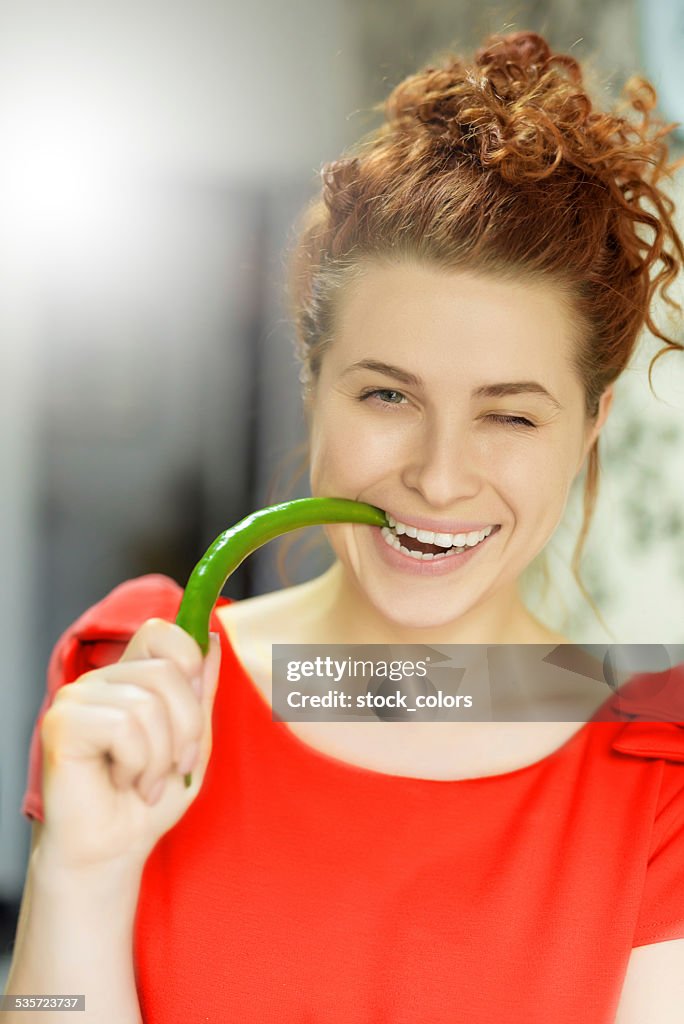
466	291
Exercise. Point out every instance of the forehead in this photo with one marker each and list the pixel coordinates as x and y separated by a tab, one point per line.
435	315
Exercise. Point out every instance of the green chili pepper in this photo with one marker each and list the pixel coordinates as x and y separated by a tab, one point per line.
231	548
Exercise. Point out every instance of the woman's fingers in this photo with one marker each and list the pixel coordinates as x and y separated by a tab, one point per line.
157	638
164	699
73	732
150	713
116	735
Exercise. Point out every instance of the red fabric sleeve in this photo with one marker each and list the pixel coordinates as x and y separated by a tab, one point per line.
661	916
98	637
658	733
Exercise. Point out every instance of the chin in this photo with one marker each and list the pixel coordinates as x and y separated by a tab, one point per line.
426	612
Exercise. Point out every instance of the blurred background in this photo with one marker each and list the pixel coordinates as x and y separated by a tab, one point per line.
154	158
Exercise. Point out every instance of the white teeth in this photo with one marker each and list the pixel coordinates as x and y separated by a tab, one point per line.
394	542
444	540
426	536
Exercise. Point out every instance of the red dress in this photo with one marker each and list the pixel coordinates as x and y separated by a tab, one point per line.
301	889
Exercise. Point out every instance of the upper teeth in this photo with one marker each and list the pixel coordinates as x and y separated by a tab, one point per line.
443	540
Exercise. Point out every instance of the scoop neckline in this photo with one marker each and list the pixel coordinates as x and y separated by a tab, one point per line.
341	767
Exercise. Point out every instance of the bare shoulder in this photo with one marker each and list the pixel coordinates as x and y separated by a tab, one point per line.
261	613
653	988
253	624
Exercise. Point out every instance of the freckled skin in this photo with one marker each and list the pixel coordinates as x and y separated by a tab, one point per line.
435	452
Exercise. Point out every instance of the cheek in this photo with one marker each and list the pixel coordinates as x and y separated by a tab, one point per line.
536	474
332	466
537	486
349	455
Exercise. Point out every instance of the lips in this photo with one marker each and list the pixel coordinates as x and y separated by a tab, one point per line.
434	526
407	564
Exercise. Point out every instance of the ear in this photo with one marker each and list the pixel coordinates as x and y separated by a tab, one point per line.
595	426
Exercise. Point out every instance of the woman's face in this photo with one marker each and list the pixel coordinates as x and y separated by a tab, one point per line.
440	448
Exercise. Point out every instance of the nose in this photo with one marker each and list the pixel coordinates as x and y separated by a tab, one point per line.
443	463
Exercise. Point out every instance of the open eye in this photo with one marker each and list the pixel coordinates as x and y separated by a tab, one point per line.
380	391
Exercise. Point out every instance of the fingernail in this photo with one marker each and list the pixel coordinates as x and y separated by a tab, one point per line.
188	759
156	791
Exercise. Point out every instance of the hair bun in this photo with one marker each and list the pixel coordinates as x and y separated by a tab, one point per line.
522	58
524	49
518	108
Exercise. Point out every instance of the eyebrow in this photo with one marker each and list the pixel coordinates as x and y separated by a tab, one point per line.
498	390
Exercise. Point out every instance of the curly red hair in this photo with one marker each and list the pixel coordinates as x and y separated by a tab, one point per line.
503	165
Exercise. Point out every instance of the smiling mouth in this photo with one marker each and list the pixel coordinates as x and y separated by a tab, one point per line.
426	551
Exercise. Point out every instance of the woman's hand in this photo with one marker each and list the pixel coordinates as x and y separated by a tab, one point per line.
116	745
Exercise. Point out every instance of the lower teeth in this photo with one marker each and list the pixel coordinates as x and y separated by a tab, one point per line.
432	557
